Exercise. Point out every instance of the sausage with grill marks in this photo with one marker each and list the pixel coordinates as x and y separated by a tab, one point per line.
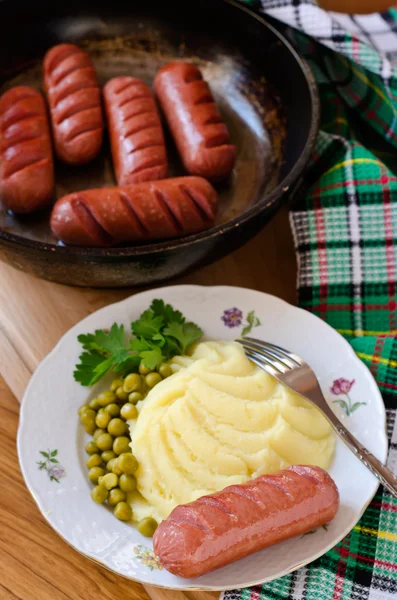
136	135
26	164
201	136
216	530
151	210
74	97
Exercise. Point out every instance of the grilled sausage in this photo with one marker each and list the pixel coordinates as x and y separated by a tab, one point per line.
216	530
136	136
74	97
26	165
145	211
197	127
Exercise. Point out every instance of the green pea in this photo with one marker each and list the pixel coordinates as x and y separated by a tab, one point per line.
94	404
143	369
128	411
127	463
153	379
103	420
90	426
132	383
116	383
98	432
105	442
113	467
108	455
91	447
106	398
147	526
88	416
99	494
127	483
100	412
117	427
110	480
121	394
113	410
94	461
123	512
165	370
121	444
82	409
134	397
100	479
116	495
94	473
145	390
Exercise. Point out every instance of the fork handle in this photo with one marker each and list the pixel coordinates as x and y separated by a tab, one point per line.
378	469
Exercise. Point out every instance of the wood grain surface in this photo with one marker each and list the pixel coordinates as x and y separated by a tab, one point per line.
35	563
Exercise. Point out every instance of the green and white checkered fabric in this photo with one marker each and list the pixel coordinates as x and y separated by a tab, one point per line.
345	232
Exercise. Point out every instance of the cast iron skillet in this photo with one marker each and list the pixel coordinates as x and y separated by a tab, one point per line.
265	92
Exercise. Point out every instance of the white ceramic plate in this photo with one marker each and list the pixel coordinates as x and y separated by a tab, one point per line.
49	424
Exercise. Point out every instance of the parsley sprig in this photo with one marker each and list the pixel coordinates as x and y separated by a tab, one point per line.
159	334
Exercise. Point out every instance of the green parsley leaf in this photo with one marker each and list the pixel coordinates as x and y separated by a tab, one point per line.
84	372
105	350
171	348
186	334
101	369
87	340
152	358
160	333
114	341
168	314
160	339
128	365
139	345
104	342
147	325
149	352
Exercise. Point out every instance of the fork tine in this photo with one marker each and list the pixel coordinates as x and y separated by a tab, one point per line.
268	358
263	363
282	352
269	353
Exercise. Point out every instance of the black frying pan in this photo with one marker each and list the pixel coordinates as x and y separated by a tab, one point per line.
266	95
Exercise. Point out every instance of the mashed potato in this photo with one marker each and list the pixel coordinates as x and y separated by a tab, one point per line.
217	421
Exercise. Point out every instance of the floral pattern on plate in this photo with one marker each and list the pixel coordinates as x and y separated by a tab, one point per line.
52	465
233	317
342	387
147	557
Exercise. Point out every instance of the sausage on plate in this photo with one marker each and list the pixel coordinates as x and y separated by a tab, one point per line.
136	135
74	97
216	530
26	164
144	211
201	136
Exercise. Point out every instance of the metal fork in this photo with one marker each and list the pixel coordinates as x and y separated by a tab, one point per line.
295	373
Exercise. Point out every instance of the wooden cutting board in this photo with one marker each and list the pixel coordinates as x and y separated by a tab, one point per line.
34	314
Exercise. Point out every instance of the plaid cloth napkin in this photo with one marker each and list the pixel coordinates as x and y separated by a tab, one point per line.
345	233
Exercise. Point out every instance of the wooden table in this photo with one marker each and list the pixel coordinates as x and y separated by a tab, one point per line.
36	564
